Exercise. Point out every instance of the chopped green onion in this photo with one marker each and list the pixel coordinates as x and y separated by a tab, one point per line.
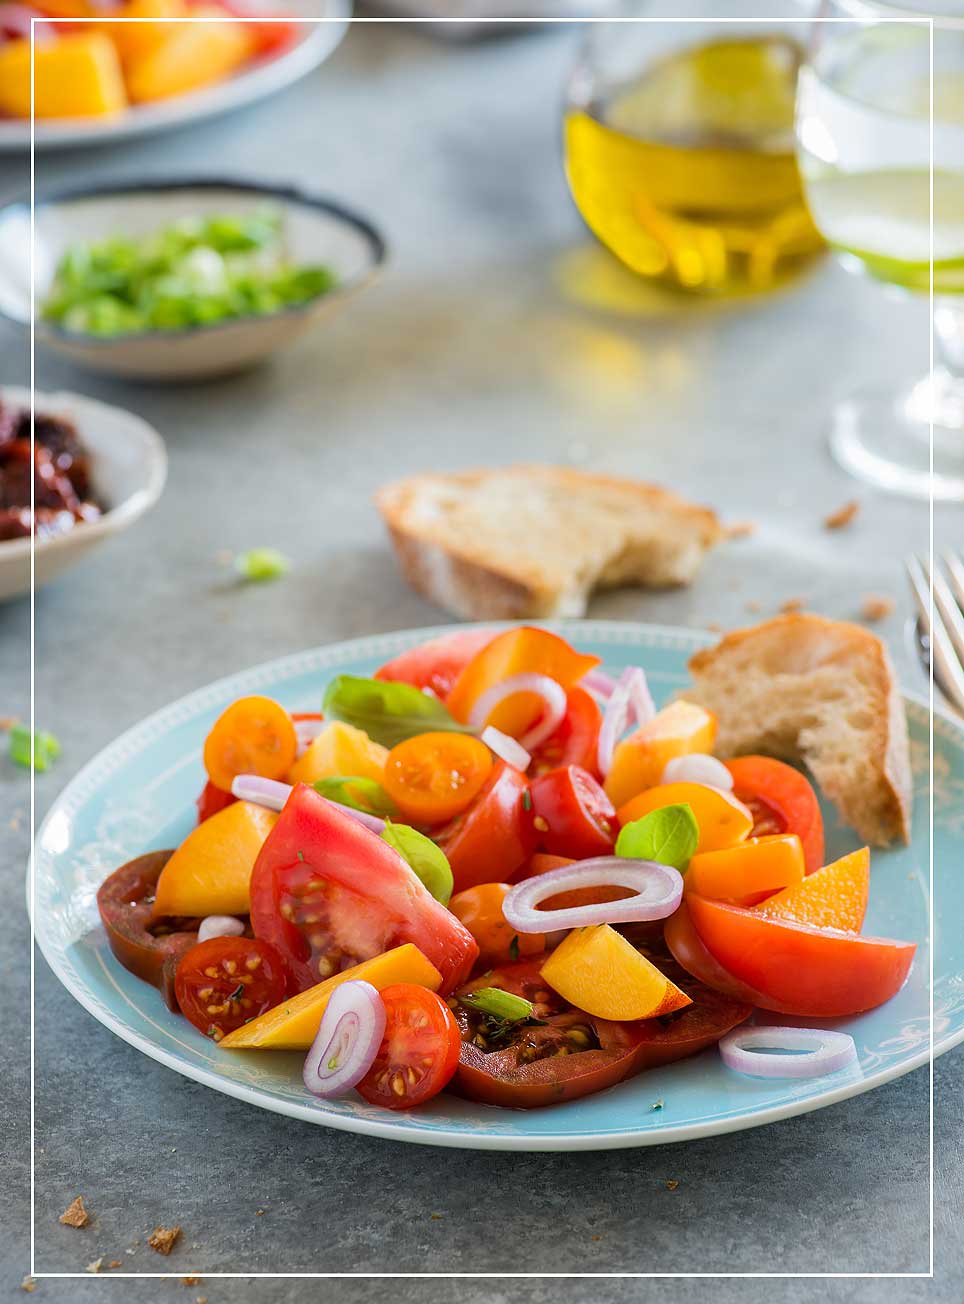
261	564
36	750
497	1004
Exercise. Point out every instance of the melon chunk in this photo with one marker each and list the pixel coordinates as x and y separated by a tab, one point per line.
77	77
293	1024
210	872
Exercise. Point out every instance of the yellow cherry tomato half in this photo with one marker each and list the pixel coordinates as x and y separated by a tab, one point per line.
435	776
253	736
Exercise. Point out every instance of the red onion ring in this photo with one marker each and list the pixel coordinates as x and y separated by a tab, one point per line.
598	682
273	795
220	926
825	1052
658	889
306	731
630	700
15	20
507	748
698	768
348	1038
552	693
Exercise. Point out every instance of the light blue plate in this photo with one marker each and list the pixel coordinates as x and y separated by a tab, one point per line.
138	795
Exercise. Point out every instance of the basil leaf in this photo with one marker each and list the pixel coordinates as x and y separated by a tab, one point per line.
357	792
504	1006
669	836
389	713
420	853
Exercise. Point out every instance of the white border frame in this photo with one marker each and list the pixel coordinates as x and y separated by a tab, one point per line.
899	17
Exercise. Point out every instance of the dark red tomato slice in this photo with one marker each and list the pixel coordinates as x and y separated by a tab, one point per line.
688	950
782	801
570	1053
437	664
329	893
419	1052
488	842
212	800
572	814
148	948
576	741
222	983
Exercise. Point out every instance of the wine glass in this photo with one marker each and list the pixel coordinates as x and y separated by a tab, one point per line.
679	142
863	133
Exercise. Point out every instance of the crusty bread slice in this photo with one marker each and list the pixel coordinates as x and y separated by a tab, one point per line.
534	541
822	692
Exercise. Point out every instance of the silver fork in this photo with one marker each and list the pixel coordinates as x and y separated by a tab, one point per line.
946	633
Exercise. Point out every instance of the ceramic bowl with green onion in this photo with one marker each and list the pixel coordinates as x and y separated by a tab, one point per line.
181	279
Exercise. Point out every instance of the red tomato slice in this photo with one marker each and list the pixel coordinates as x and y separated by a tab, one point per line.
817	972
270	37
688	950
212	800
576	741
572	1053
782	801
329	893
226	981
125	901
419	1052
572	814
489	841
438	663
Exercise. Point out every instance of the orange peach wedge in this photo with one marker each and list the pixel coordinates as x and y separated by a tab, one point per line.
210	872
340	749
639	761
723	821
597	970
832	897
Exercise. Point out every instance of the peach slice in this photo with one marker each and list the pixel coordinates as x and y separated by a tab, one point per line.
723	821
210	872
832	897
680	729
340	749
599	971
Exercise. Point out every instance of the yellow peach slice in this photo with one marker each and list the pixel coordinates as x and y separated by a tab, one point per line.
188	56
723	821
680	729
599	971
340	749
293	1024
79	76
210	872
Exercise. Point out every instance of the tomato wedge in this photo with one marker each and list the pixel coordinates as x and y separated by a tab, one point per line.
576	741
211	801
328	893
489	841
572	815
150	950
688	950
817	972
434	776
224	982
437	664
419	1051
781	800
570	1053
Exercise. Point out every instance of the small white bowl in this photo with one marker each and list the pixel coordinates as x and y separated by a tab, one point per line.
128	471
316	231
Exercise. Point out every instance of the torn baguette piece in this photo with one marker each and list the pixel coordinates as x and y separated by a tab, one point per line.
822	692
535	541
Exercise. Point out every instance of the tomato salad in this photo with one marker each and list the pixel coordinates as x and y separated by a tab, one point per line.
493	869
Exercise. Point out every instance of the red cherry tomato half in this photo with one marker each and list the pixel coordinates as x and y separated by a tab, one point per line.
212	800
419	1051
438	663
782	801
572	814
816	972
576	741
488	842
222	983
149	949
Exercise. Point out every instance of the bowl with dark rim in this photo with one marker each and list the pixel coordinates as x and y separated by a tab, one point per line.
316	230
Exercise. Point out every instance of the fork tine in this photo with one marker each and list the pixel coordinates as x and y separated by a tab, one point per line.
947	668
955	571
950	612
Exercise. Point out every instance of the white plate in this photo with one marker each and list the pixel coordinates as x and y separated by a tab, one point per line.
314	44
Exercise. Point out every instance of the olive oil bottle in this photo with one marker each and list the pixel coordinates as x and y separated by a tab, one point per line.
688	173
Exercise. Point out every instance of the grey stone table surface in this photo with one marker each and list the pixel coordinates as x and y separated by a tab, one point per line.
498	332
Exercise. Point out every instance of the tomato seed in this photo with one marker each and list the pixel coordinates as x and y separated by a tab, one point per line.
398	1084
211	972
230	966
253	962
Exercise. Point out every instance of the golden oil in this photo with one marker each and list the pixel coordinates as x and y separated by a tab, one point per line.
688	174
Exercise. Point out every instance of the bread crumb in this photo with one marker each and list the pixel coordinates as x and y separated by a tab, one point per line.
841	518
259	1213
95	1266
29	1284
201	1299
714	627
75	1215
436	1216
672	1184
753	605
595	1238
163	1239
791	605
115	1263
876	607
190	1281
740	530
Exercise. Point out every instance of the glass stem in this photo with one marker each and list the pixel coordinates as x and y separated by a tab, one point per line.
940	397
